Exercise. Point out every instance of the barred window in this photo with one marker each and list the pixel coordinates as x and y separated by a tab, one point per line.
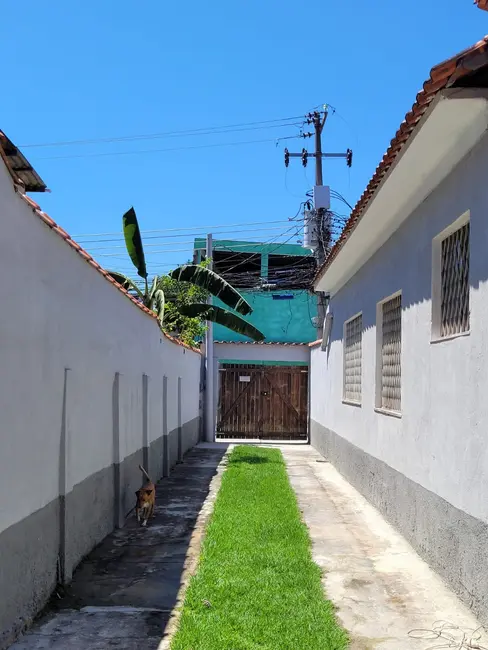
391	347
454	316
352	358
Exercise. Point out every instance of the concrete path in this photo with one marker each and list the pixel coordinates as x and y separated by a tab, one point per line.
123	594
381	587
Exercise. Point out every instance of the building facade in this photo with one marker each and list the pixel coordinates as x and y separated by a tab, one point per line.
275	280
398	394
261	389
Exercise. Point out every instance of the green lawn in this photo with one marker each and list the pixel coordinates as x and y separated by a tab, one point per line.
256	586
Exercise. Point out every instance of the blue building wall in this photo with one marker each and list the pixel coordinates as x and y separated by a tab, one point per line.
281	320
283	315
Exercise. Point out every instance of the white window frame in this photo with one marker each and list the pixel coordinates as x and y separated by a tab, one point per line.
379	357
437	279
348	400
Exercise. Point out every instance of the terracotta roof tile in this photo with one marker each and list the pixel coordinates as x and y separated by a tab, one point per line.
442	76
86	256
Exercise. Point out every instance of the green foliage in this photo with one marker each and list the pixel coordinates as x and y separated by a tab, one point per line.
133	242
178	295
214	284
223	317
187	288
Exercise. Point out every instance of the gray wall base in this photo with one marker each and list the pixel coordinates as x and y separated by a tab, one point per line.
454	543
45	548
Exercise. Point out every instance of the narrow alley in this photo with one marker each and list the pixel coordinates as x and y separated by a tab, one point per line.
124	592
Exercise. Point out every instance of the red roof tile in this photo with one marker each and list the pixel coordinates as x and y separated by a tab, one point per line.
86	256
442	76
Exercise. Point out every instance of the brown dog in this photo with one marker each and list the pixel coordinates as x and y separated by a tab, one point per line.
146	500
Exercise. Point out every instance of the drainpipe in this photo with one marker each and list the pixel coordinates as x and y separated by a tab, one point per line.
209	368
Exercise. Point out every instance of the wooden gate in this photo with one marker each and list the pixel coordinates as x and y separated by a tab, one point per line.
265	402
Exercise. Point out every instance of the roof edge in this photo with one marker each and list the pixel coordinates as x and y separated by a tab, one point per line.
442	76
44	217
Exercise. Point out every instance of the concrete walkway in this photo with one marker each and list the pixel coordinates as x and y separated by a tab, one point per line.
123	594
381	587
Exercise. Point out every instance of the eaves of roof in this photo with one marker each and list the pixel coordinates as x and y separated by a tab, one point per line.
452	72
19	167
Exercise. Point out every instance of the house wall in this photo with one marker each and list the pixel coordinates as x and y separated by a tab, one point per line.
428	470
83	377
284	321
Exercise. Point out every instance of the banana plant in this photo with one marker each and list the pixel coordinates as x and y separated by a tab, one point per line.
153	297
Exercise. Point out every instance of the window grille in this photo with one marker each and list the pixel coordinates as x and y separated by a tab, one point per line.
455	282
391	347
352	359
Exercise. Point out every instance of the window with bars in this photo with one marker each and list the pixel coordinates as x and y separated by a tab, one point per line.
390	355
454	281
352	359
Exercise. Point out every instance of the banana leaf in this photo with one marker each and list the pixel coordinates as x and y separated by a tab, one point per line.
214	284
133	242
159	304
222	317
126	282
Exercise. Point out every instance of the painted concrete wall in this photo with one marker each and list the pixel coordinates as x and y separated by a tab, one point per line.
284	321
428	470
250	353
81	404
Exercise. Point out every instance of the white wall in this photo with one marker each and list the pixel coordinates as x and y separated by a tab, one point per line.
440	442
261	352
57	313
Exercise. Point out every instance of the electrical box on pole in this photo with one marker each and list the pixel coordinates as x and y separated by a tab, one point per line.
321	197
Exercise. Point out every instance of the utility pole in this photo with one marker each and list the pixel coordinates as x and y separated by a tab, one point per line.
321	199
209	366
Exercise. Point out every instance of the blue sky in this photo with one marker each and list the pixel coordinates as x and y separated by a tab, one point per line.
85	70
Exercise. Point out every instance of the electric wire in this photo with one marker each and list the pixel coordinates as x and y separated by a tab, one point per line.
210	130
170	149
205	227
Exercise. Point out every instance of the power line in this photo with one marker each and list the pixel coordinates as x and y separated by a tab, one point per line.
139	151
336	195
196	235
184	132
205	228
217	247
173	243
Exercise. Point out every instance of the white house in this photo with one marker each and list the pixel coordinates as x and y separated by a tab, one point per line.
399	395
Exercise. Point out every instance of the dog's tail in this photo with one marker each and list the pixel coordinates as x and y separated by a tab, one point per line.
144	472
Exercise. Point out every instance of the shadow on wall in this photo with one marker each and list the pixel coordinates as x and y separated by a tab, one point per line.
404	262
138	567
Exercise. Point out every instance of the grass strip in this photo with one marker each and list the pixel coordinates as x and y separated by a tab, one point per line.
256	586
